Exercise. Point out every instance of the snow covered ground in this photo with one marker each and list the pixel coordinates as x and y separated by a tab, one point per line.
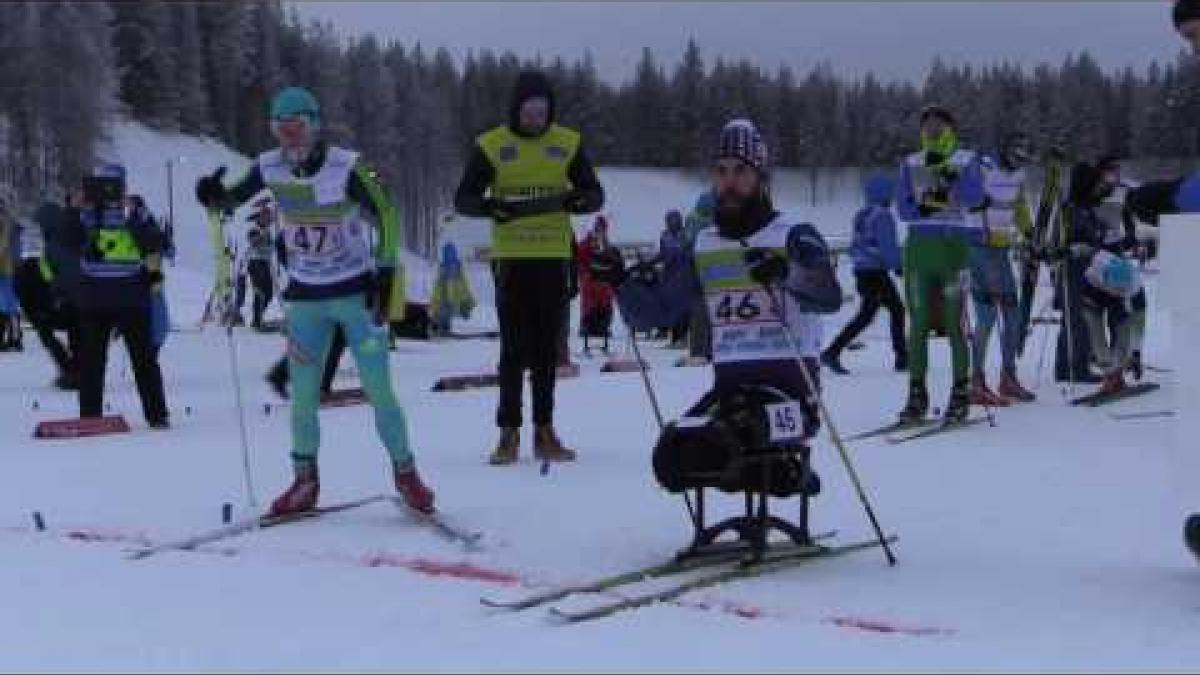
1049	542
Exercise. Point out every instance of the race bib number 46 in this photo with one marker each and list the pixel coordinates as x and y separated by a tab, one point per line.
740	307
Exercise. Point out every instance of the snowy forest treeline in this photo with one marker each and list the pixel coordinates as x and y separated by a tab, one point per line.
210	68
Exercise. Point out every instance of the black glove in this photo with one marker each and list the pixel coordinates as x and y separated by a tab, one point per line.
766	267
152	276
1150	200
379	285
499	210
210	191
899	272
608	267
575	202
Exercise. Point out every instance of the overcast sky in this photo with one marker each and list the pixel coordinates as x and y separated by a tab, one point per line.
896	39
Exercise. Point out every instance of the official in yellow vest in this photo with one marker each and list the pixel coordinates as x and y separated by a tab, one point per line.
528	176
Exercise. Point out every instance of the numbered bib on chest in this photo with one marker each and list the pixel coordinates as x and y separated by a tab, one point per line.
316	241
326	252
746	326
739	306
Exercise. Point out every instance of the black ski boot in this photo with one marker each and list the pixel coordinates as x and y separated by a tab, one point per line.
917	405
831	361
1135	365
959	405
277	377
1191	534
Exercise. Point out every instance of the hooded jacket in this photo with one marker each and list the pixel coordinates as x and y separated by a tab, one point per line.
874	245
470	199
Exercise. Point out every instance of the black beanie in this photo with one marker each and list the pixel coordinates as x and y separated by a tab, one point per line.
529	84
1185	10
939	112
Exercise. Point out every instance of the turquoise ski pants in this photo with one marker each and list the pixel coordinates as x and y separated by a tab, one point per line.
310	325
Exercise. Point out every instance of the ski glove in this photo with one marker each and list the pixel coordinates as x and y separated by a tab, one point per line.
1150	200
575	202
766	267
210	191
608	267
379	284
499	210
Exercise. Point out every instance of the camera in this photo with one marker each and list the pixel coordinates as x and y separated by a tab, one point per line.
103	190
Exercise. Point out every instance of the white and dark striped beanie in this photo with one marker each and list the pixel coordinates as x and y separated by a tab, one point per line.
740	139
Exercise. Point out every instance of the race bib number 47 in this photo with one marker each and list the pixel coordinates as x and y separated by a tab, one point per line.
315	240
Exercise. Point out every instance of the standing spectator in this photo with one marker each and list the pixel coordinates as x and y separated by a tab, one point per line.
875	253
10	309
45	285
596	306
528	176
451	295
260	248
672	255
120	269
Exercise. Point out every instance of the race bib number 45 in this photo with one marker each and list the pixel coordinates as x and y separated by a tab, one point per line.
786	419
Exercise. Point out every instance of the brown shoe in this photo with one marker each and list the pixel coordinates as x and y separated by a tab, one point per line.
506	450
547	447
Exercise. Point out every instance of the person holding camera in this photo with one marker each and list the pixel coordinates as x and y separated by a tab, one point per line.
120	268
940	197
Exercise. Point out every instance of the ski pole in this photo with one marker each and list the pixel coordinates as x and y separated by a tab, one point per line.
637	354
833	432
1064	272
965	282
237	396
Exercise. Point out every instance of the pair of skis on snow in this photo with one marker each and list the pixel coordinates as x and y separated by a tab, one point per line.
712	569
451	532
911	430
902	432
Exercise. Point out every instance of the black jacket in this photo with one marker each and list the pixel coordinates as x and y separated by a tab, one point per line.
104	293
470	199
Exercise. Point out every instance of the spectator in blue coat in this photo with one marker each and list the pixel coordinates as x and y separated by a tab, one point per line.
875	253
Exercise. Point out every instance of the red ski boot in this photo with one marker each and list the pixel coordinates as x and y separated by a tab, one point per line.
1113	382
415	493
302	495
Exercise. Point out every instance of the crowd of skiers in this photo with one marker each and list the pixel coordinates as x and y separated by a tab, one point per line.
743	285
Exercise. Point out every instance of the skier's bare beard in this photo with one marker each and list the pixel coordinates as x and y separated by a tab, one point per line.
738	217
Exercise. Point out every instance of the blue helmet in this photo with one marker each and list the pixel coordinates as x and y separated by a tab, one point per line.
295	101
110	170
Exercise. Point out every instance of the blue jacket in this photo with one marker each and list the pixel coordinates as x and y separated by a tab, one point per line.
1187	198
874	246
662	303
966	190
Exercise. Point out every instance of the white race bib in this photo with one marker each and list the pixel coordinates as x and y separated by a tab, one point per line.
786	420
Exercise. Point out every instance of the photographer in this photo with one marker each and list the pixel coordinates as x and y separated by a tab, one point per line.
120	269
